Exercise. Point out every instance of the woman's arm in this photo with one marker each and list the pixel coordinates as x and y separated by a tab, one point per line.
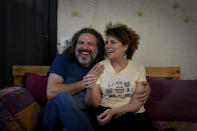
144	93
93	96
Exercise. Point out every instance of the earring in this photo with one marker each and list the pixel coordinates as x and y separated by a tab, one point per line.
125	56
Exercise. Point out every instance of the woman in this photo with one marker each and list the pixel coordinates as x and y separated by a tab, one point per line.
112	93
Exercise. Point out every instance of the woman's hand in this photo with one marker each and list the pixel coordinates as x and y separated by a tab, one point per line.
105	117
92	76
89	81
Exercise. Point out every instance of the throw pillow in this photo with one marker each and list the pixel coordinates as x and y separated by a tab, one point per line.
173	100
36	85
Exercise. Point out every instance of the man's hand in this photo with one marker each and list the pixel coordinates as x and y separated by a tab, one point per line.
143	94
92	76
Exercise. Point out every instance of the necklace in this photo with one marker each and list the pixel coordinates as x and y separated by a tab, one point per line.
119	67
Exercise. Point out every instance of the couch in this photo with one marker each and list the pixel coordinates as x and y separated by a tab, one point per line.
171	105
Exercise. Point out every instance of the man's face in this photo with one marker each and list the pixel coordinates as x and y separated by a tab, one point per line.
86	49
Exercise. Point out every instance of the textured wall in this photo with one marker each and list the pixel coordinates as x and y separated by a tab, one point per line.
166	40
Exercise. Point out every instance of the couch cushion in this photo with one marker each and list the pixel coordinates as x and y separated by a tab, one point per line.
37	86
172	100
18	110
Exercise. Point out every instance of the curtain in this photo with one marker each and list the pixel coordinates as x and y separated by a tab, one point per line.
28	35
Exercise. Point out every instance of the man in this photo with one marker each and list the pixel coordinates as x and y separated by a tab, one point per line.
66	91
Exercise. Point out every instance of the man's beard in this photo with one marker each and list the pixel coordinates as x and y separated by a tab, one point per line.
88	60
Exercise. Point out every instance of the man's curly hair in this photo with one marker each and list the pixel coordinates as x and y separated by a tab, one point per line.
70	51
125	35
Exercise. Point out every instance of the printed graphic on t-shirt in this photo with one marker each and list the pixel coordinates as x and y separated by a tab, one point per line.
119	89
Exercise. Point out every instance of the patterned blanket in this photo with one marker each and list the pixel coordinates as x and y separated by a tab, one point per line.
175	126
18	110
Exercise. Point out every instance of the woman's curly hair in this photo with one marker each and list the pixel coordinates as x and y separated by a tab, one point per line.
125	35
70	51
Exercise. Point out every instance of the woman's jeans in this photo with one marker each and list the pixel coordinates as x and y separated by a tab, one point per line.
62	113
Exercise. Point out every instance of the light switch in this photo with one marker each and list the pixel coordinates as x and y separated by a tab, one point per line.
64	41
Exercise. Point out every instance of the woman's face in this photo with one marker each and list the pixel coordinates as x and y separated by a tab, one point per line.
114	48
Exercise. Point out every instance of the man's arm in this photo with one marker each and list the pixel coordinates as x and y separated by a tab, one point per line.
142	95
55	86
